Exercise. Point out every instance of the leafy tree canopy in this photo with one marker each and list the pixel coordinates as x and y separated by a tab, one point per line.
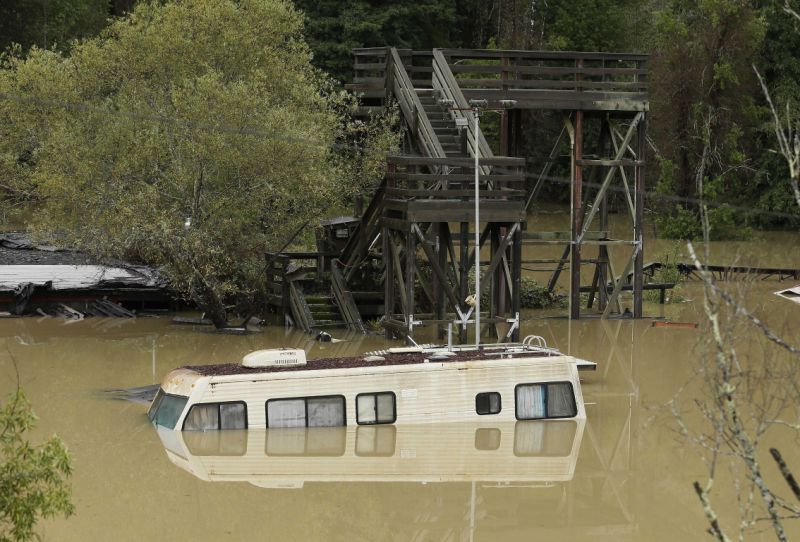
33	478
192	134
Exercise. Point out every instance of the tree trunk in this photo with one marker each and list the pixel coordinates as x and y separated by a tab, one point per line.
209	301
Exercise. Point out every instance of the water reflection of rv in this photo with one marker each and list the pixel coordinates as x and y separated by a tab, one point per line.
526	451
279	389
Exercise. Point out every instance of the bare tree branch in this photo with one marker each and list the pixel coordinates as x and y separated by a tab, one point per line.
788	137
711	516
785	472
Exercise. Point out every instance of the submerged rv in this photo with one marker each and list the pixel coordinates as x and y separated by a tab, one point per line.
416	385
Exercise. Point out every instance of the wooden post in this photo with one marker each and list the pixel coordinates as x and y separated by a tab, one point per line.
441	253
516	279
411	264
504	125
463	266
502	291
495	279
388	279
577	215
638	226
602	256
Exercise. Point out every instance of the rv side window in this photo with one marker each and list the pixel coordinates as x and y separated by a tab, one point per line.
551	400
306	412
214	416
374	408
487	403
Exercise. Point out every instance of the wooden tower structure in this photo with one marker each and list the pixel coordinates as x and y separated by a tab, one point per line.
416	234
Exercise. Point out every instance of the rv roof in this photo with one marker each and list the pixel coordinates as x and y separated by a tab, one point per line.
404	358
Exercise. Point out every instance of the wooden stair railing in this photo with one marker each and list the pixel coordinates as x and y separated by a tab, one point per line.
401	87
368	229
446	84
344	300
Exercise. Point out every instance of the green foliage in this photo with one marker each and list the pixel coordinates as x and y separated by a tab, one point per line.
33	478
532	295
535	296
335	27
724	223
203	137
666	274
702	101
683	224
592	25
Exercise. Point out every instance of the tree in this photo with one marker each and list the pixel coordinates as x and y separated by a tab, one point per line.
703	97
33	478
336	27
189	135
50	23
747	394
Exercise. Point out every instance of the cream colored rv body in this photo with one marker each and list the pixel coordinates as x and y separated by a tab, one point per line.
527	451
430	392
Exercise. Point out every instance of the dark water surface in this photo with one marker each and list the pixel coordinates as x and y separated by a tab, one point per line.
628	478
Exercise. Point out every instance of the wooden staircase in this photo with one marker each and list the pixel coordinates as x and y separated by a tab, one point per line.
340	288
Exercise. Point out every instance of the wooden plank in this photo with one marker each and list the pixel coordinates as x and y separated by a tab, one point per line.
441	275
411	264
509	211
398	273
541	55
561	235
449	193
456	177
452	161
497	256
611	162
71	277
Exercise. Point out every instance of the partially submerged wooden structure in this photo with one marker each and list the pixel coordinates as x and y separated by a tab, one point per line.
72	290
417	228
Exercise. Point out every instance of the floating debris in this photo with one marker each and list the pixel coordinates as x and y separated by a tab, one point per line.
792	294
675	325
140	394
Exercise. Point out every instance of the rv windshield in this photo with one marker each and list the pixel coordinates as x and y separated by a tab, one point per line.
166	409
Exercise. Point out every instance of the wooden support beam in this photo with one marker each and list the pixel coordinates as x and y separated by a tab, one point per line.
463	265
438	271
551	159
614	299
551	284
388	278
576	224
613	135
638	225
411	265
602	250
516	280
398	273
442	252
632	129
498	254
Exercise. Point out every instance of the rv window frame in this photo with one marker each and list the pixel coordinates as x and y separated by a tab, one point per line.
375	394
305	400
545	384
219	415
499	402
155	404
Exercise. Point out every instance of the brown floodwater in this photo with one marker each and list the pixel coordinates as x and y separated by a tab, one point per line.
625	475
